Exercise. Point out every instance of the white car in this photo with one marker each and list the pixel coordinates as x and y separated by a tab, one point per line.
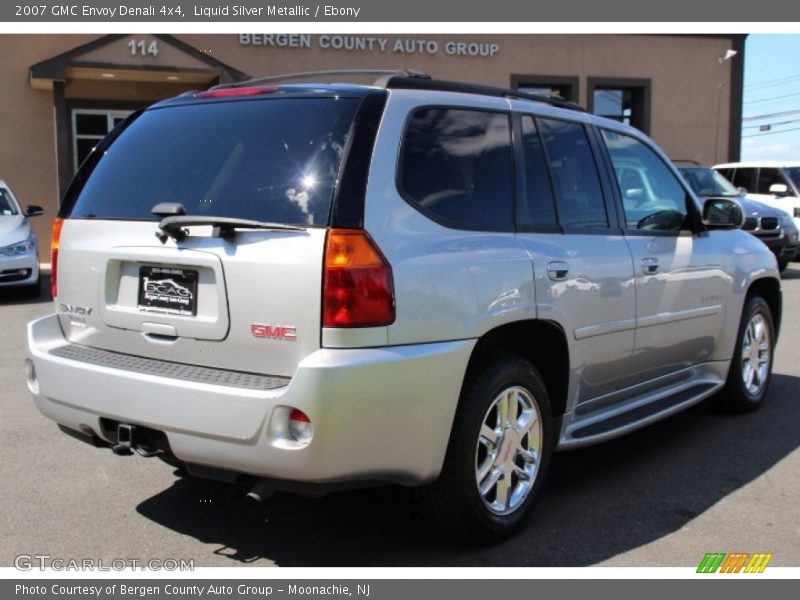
19	248
775	183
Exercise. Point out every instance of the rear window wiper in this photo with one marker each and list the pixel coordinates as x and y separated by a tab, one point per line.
224	227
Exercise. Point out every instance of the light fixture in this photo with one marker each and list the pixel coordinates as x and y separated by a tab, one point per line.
107	75
172	77
729	54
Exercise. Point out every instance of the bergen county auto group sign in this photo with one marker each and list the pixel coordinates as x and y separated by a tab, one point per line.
355	43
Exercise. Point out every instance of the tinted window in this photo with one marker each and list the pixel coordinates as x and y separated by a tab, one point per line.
457	165
743	178
575	179
726	173
652	197
537	208
766	178
269	160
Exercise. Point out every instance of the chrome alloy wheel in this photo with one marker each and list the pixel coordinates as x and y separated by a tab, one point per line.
755	354
509	450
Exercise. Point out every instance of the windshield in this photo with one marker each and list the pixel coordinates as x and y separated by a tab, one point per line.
708	182
271	160
794	175
8	207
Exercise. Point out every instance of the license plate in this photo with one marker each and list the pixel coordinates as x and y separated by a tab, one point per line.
168	290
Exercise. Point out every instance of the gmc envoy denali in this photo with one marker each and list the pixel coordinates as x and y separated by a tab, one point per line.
307	287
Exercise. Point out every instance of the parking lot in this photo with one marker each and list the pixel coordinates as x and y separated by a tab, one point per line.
664	496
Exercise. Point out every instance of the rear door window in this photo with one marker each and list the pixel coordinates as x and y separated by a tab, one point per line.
456	166
271	160
575	178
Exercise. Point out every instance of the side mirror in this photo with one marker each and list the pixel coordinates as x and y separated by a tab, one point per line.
722	213
34	211
779	189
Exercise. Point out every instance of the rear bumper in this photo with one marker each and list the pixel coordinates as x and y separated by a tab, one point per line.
378	413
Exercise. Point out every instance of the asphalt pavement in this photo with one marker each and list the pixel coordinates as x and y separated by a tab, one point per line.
663	496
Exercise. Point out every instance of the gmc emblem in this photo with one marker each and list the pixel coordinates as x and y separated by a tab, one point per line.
276	332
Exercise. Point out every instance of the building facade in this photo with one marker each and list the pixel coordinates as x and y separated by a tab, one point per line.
62	93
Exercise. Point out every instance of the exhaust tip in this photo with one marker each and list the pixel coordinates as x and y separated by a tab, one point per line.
260	491
30	376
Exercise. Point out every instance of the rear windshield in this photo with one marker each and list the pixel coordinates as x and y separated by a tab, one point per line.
271	160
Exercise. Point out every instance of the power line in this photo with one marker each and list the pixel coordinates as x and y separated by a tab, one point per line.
771	124
785	113
772	82
771	99
771	132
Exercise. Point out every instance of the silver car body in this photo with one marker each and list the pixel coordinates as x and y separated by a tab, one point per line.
642	343
17	268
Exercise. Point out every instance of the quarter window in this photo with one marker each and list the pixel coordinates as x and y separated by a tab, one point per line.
456	165
652	197
575	179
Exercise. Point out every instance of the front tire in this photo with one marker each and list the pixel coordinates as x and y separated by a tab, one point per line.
499	452
751	369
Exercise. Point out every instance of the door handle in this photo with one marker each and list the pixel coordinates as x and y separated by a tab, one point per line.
557	270
649	265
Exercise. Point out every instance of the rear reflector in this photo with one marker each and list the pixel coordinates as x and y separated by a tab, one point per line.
254	90
357	288
54	243
300	427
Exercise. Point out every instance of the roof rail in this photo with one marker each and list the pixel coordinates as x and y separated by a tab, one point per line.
412	79
402	82
385	75
687	161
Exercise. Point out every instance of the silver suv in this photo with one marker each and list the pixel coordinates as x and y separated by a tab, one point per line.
307	287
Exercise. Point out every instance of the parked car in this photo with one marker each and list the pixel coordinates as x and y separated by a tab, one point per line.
773	183
773	226
19	248
309	287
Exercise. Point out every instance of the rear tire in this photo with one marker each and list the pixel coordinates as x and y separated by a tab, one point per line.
499	452
751	368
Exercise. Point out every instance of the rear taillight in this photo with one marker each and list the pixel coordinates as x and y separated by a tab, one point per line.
253	90
54	243
357	289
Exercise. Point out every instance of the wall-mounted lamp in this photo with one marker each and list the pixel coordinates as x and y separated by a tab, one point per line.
729	54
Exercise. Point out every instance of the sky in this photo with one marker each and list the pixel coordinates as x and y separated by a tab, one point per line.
771	88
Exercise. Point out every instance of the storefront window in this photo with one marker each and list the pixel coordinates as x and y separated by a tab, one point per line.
89	127
621	99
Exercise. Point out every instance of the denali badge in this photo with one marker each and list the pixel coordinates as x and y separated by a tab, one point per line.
274	332
74	309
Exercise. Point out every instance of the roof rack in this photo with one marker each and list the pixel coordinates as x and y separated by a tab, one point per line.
385	75
401	82
412	79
